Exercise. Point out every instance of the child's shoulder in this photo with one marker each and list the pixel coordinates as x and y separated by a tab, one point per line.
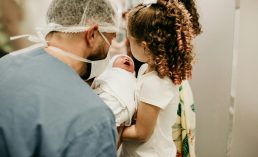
142	69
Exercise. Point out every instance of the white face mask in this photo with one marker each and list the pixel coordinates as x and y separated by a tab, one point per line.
97	67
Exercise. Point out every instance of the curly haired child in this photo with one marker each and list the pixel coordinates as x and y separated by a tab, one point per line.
160	35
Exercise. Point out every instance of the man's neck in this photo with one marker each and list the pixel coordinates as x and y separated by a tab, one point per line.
69	46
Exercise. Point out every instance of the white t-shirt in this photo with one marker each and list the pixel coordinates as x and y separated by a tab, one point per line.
152	89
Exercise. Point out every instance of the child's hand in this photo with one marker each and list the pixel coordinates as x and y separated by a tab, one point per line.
119	136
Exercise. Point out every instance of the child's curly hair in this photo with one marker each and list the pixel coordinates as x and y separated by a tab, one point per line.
190	5
167	29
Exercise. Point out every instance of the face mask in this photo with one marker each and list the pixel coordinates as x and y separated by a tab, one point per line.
97	67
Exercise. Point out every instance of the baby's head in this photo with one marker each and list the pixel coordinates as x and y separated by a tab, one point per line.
124	62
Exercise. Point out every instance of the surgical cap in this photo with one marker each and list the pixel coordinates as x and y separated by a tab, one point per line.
73	16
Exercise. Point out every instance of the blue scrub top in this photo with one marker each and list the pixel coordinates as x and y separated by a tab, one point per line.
46	110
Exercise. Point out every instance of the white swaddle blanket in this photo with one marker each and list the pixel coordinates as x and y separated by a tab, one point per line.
116	87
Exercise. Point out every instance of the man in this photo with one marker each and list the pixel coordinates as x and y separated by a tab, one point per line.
46	109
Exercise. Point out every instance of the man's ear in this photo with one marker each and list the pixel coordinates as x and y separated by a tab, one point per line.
90	35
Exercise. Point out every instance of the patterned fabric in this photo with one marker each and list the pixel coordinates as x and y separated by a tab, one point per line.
183	130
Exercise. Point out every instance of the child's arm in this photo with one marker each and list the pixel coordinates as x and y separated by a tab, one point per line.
119	135
145	122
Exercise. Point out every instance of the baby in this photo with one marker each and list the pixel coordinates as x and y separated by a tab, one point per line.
116	87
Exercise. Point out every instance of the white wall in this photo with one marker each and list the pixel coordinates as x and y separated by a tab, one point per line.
212	76
34	14
245	129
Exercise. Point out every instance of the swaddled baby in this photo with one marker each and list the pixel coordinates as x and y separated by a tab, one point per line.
116	87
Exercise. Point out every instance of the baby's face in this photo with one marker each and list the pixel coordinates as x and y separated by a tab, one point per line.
125	63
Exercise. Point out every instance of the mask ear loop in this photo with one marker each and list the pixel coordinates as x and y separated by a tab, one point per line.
68	54
105	39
